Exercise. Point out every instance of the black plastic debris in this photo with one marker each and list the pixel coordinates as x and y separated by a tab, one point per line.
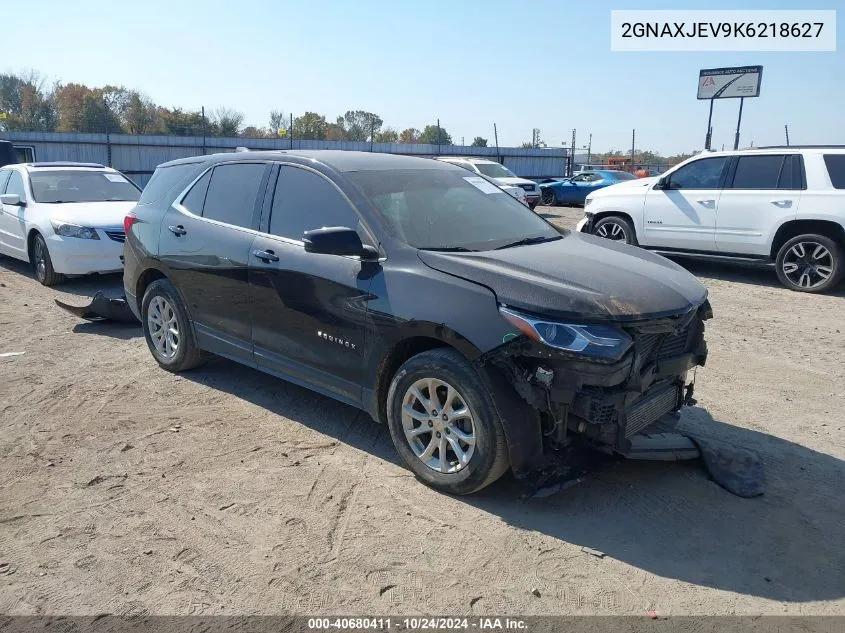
102	308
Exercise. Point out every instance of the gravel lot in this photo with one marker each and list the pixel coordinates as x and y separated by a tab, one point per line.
223	491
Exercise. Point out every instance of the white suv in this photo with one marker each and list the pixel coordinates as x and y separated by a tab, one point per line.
64	218
780	205
500	174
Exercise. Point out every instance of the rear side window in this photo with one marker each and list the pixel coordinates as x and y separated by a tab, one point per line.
705	173
304	201
164	179
195	199
16	185
759	172
232	193
4	178
836	169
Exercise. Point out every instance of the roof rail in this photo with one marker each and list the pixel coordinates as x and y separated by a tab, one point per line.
68	163
799	147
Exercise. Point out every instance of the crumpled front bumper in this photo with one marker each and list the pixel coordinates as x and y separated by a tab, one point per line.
607	404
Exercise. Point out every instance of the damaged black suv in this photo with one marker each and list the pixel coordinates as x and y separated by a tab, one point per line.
483	336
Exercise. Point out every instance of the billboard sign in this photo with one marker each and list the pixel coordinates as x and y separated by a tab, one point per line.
729	83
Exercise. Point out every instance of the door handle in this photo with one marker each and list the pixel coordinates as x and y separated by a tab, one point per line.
267	256
781	203
705	201
178	231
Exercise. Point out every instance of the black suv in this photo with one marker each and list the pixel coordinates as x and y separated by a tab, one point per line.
482	335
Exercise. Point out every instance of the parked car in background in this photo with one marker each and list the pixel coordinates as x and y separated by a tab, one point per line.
781	206
481	335
499	173
574	190
64	218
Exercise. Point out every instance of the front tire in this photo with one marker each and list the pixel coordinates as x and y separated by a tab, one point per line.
810	263
548	198
167	328
42	263
616	228
444	425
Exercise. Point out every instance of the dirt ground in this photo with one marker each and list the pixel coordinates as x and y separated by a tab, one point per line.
128	490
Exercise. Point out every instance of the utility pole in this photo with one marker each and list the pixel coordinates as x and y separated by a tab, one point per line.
709	127
590	148
438	136
203	131
738	122
572	154
786	131
291	130
633	145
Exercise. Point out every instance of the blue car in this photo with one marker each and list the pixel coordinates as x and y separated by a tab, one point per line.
574	190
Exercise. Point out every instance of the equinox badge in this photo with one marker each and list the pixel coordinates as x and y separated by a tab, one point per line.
335	339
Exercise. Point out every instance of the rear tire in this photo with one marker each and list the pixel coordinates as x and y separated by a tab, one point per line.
42	264
167	328
616	228
810	263
465	424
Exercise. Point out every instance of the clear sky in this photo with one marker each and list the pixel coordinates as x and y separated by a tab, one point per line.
519	63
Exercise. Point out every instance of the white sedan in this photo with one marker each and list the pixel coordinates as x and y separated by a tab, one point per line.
64	218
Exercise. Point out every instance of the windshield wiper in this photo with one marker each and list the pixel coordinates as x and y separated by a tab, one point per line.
449	249
530	240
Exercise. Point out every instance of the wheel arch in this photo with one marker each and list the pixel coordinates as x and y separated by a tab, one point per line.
623	214
144	280
30	238
420	338
793	228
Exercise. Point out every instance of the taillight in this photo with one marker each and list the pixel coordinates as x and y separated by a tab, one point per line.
128	221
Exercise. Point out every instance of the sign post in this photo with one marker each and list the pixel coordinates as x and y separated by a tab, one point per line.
728	83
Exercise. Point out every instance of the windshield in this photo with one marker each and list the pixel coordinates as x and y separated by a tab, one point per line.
448	210
81	186
495	170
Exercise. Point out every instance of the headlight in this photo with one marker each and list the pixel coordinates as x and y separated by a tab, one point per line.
66	229
597	341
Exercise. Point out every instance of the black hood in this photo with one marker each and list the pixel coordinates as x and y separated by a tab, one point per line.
578	277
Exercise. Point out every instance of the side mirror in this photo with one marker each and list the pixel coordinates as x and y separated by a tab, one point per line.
12	199
337	240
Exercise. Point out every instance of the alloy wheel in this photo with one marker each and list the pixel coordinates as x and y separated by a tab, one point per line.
612	231
164	327
808	264
438	425
548	197
40	259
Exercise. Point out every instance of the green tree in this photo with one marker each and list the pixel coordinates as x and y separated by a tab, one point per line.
176	122
410	135
228	122
359	125
27	105
310	126
278	121
479	142
435	136
387	135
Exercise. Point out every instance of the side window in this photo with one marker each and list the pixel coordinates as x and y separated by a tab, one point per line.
4	178
701	174
760	172
195	199
166	178
304	201
232	192
835	164
16	185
